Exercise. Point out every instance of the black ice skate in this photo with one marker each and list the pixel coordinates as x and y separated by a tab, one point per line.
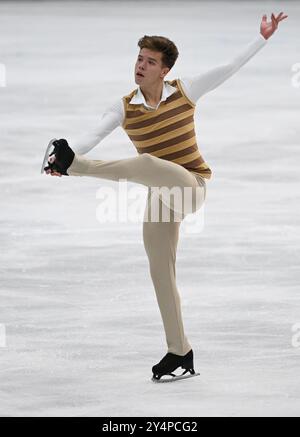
171	362
62	159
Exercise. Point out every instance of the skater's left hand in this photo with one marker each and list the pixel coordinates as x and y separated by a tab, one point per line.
268	28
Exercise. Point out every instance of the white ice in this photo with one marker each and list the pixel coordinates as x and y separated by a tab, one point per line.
78	306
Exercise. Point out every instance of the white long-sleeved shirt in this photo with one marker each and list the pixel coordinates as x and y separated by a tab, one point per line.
194	88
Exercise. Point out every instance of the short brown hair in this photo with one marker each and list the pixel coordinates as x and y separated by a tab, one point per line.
163	45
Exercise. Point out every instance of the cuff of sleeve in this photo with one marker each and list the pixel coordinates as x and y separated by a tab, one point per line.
262	38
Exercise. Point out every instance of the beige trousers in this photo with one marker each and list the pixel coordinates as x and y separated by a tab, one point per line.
162	218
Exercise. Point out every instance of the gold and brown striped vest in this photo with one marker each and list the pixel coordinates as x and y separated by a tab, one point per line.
167	132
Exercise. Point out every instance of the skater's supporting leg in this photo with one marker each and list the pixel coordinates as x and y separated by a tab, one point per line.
170	363
160	241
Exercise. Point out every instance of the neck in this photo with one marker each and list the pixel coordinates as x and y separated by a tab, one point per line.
153	93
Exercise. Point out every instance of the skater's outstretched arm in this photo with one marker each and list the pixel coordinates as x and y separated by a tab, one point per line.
197	86
111	118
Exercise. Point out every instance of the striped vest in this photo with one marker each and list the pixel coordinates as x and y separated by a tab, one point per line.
167	132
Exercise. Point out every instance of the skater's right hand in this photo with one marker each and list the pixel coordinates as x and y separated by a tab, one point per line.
53	172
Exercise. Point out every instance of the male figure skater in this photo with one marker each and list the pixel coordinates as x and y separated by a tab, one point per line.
158	117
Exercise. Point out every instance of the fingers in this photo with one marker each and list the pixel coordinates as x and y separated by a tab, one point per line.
280	17
274	22
52	172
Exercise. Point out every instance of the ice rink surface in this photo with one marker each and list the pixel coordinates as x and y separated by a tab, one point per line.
80	326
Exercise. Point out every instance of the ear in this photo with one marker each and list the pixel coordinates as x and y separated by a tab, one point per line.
165	71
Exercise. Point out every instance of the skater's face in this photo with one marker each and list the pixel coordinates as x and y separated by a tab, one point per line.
149	68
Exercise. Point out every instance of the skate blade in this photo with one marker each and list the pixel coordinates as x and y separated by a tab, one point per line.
45	160
174	378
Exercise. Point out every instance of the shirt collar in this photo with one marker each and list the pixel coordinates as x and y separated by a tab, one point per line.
139	98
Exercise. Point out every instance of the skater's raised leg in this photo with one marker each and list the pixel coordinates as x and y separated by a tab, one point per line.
144	169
